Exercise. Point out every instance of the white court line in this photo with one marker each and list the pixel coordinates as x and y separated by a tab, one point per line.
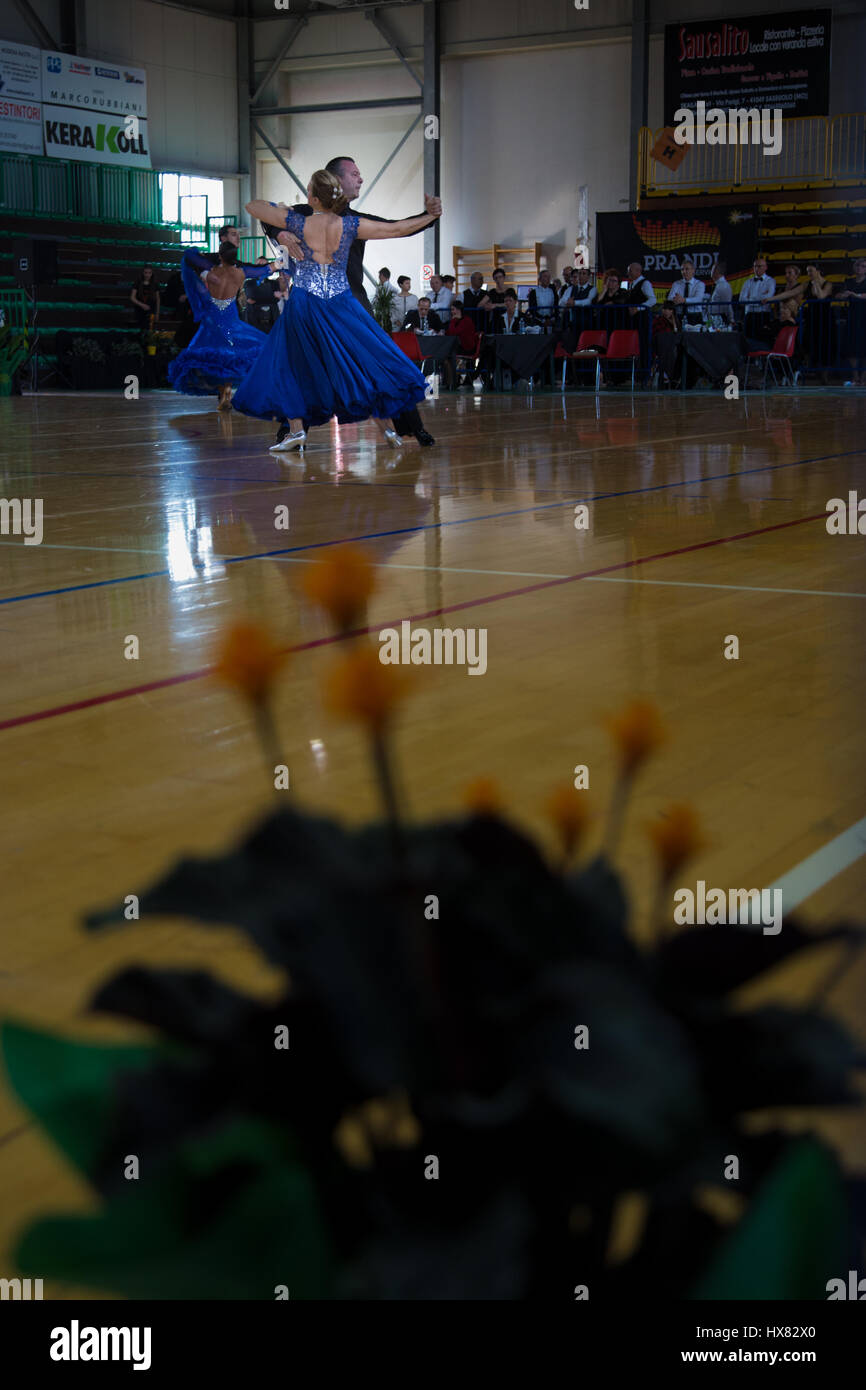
825	864
458	569
740	588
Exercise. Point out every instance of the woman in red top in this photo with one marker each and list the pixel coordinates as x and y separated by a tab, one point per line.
461	326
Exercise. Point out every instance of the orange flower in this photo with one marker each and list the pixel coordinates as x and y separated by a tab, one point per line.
483	797
249	660
361	687
341	584
637	732
569	811
676	838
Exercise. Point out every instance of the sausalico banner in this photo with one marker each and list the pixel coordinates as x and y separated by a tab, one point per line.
20	99
663	240
781	61
94	110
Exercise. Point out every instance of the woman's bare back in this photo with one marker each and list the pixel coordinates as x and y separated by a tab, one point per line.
322	234
224	281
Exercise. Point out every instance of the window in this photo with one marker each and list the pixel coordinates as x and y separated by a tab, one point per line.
193	202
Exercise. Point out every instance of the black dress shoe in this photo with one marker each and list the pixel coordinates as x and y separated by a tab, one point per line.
281	434
424	438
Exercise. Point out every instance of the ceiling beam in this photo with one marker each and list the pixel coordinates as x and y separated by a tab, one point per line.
337	106
293	33
374	19
34	23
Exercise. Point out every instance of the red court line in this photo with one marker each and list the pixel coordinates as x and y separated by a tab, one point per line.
128	692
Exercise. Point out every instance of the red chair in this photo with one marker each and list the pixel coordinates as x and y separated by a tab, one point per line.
408	343
589	338
469	359
782	351
624	345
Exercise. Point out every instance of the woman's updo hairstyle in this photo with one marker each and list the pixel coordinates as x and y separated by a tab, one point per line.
329	192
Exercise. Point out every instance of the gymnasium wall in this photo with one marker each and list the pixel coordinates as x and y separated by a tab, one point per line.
524	123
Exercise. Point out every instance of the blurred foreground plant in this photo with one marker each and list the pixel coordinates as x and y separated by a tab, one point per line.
471	1064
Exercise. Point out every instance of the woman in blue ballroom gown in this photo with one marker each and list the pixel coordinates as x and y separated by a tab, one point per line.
326	356
224	347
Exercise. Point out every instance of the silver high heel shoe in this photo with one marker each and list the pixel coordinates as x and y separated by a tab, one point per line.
394	439
291	441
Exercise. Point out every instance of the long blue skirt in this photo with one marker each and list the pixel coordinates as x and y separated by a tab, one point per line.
326	358
222	352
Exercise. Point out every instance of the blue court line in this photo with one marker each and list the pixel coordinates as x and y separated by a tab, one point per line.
438	525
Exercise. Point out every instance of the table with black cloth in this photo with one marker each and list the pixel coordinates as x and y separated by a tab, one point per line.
685	356
524	354
436	349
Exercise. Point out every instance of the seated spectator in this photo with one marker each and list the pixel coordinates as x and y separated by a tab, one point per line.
473	296
403	303
144	297
542	300
283	291
611	292
640	292
509	320
688	294
424	319
721	299
440	294
385	280
818	335
790	298
854	292
754	295
665	322
460	325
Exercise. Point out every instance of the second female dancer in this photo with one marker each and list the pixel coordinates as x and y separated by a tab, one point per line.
224	348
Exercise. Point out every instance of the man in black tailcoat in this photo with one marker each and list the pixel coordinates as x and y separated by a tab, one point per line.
346	170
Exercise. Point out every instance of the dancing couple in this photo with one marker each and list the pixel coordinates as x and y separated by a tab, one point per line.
326	356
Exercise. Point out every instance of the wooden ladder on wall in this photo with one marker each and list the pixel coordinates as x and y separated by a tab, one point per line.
520	263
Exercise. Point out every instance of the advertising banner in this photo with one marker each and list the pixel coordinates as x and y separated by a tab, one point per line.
20	99
779	61
94	110
663	240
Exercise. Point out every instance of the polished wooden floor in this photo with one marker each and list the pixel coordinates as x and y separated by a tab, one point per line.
706	520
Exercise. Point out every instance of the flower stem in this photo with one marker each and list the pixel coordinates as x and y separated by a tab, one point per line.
615	816
382	764
268	737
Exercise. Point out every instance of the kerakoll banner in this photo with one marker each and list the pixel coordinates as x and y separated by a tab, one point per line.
94	110
20	99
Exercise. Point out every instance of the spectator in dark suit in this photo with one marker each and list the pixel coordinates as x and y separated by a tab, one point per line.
424	319
473	296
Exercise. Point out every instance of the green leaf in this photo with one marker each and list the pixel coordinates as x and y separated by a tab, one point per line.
69	1086
792	1238
232	1217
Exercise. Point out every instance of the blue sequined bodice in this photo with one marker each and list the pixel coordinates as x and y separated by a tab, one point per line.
323	281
